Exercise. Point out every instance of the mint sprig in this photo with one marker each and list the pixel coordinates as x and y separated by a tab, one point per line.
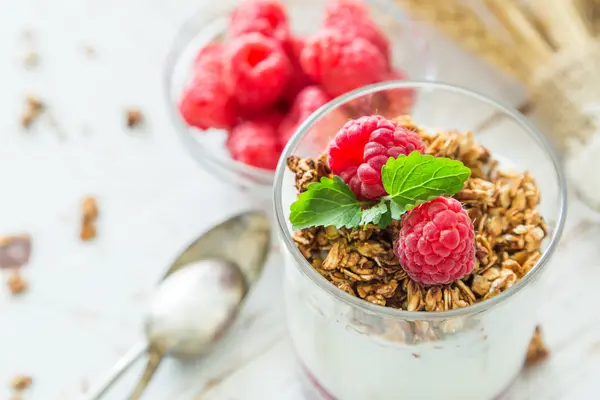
329	202
408	180
379	215
417	178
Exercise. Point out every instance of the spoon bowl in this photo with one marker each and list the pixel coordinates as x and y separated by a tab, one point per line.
193	307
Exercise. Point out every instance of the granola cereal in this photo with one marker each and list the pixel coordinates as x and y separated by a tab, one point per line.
501	204
33	109
16	284
88	220
537	351
134	117
15	250
31	59
20	382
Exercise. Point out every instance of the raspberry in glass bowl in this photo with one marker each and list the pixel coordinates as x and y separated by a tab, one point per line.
242	76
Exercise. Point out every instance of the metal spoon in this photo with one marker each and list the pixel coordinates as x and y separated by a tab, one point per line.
199	296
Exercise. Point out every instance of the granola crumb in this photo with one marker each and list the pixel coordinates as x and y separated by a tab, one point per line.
16	284
88	220
33	109
20	382
537	351
31	59
134	117
89	50
15	250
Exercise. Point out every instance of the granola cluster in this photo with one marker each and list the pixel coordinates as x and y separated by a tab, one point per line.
502	205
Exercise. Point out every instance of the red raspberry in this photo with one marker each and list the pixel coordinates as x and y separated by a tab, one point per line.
205	102
361	148
342	63
352	18
436	243
266	17
210	58
255	142
309	100
256	71
298	79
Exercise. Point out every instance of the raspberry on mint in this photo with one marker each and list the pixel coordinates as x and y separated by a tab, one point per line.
342	63
267	17
436	244
255	142
256	71
352	18
360	149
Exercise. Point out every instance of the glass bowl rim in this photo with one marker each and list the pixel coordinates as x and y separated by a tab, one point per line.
381	311
199	153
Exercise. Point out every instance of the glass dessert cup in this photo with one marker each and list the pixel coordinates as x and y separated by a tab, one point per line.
409	53
352	349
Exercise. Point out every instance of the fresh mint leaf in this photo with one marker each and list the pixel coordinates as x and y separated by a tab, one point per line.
379	215
417	178
325	203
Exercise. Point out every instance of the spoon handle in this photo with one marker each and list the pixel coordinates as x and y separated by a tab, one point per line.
117	370
154	359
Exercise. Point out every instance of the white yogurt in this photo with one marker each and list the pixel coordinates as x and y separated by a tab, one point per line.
352	363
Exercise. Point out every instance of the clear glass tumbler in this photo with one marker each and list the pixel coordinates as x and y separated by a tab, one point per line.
350	349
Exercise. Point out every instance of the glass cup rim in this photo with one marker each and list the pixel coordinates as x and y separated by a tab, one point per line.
370	308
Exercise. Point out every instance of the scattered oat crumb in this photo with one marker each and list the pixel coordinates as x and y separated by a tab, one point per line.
31	59
537	351
88	220
88	232
16	284
15	250
33	109
134	117
90	208
20	382
30	54
89	50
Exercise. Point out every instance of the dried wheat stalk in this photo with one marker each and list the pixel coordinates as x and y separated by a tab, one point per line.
465	26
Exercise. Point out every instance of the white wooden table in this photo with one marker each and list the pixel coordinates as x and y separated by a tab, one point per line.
84	306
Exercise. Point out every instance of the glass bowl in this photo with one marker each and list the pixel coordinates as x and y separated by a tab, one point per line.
352	349
409	52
